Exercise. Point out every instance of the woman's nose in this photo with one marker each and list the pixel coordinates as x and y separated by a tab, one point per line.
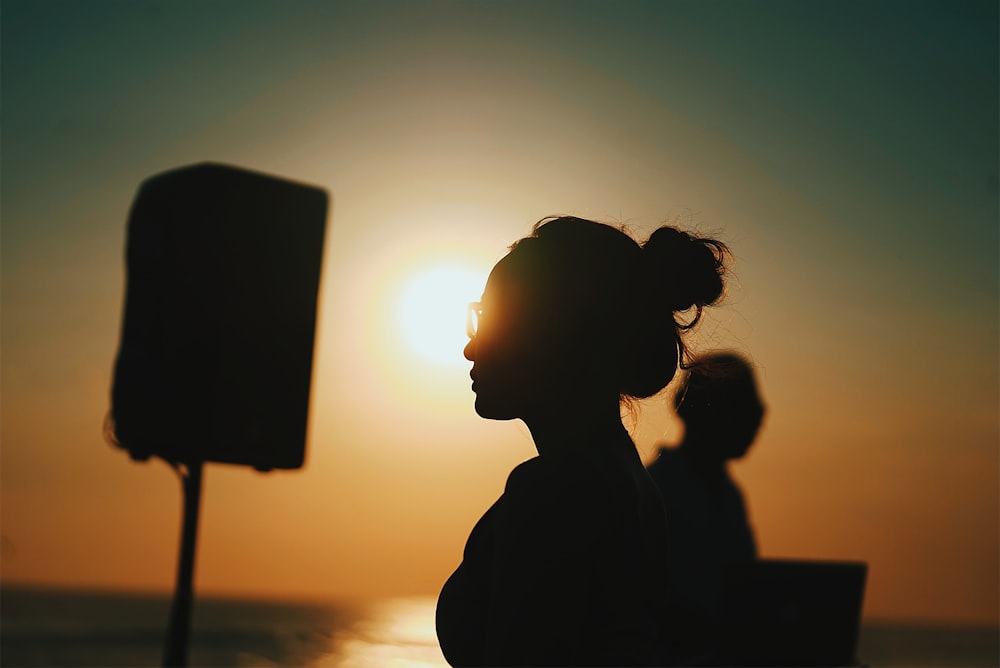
470	350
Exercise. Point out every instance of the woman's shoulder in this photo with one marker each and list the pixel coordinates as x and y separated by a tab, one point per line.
561	485
549	503
554	473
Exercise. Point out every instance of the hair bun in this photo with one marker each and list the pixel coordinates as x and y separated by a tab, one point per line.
686	270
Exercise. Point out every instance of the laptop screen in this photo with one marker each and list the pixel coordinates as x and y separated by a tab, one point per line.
792	612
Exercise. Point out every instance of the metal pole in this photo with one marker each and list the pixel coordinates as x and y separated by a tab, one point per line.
175	652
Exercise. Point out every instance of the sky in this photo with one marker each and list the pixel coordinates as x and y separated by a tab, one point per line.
846	151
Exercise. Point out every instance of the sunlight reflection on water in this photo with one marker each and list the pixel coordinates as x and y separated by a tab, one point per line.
397	633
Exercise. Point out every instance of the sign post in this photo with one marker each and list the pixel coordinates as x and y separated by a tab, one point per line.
179	626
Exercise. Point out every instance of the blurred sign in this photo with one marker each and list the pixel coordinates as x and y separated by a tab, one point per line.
215	357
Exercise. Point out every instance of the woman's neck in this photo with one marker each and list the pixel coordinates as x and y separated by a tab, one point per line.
568	428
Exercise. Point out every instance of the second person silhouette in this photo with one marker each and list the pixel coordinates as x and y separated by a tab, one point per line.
708	529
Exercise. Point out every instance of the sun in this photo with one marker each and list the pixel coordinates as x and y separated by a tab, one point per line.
432	310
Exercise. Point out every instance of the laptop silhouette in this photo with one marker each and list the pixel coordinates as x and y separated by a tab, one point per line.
778	612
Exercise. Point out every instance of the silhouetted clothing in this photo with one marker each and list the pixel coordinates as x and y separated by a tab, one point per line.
566	568
709	532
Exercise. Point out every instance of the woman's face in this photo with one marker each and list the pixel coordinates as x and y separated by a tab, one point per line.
511	368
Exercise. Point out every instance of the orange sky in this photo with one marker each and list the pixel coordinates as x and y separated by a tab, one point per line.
855	180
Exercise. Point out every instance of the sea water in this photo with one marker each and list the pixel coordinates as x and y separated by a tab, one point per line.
41	627
72	628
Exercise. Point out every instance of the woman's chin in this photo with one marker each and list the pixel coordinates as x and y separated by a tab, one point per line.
494	410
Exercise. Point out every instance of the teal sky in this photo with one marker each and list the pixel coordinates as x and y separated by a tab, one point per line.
847	151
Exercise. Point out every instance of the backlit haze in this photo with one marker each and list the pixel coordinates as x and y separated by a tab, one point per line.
847	152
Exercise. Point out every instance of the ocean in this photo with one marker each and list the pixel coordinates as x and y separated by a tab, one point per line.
40	627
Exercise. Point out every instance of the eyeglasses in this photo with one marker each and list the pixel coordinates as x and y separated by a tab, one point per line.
472	321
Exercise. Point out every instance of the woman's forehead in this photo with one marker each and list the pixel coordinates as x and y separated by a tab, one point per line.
505	284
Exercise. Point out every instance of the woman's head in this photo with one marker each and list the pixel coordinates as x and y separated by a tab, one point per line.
720	405
580	311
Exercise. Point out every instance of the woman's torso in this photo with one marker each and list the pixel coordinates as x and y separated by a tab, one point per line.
565	568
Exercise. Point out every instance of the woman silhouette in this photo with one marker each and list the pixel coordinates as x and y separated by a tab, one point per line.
566	568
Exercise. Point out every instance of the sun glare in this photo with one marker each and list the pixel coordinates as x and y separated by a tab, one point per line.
432	312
